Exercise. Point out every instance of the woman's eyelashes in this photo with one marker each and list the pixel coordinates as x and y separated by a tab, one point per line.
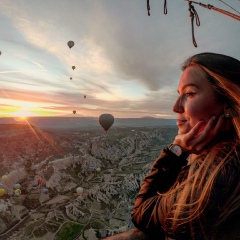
190	94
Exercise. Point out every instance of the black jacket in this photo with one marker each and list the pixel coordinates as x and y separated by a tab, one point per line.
146	213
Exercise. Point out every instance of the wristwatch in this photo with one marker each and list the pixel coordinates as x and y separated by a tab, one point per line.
176	149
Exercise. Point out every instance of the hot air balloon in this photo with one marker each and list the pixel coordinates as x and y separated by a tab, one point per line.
106	120
70	78
17	192
74	111
2	192
73	67
98	169
4	178
39	181
70	44
17	186
45	191
79	190
34	185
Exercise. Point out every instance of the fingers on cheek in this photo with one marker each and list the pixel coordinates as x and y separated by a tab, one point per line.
196	148
210	126
187	142
220	121
190	144
218	126
212	122
201	126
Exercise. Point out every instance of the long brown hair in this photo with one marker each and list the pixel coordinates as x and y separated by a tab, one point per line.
184	204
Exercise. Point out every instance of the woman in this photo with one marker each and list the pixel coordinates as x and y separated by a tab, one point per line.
193	189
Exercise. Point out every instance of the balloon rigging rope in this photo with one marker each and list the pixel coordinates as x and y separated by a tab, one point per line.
230	6
165	7
193	13
211	7
148	7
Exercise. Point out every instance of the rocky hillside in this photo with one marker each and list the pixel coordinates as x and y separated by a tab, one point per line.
109	169
23	145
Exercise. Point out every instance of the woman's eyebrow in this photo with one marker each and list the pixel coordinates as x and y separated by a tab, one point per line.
188	85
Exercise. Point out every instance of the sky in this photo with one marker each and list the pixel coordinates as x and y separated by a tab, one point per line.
127	63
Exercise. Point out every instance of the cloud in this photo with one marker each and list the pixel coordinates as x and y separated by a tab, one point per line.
126	61
136	48
21	71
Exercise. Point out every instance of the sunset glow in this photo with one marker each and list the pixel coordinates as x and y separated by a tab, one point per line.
23	113
125	72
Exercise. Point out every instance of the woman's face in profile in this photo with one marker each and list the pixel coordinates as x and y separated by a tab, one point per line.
197	100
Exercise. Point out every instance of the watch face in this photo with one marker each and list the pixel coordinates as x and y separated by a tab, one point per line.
176	150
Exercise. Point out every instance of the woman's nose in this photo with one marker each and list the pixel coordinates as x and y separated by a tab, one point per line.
177	107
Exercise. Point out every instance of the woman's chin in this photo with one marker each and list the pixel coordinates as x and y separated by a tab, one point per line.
180	132
183	130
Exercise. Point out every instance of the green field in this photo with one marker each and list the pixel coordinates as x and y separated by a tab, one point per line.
68	231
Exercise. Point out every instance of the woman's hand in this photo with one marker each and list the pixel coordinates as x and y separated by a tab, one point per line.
196	140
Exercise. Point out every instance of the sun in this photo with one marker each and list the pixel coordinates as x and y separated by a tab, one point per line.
22	113
22	117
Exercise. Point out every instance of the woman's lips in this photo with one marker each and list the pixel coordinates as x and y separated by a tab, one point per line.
181	122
